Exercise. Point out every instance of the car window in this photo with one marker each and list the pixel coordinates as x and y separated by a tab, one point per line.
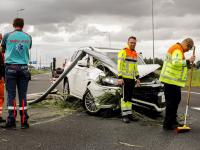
140	61
114	57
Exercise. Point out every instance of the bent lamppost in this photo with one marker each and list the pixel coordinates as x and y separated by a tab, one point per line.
19	10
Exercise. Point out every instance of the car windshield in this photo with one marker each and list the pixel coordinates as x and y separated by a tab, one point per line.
113	56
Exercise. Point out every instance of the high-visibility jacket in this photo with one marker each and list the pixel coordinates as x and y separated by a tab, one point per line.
127	64
174	70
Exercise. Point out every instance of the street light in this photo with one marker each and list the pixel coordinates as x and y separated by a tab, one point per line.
109	38
36	55
40	59
153	31
99	43
30	55
19	10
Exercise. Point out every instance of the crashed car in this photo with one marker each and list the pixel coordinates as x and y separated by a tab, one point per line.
100	64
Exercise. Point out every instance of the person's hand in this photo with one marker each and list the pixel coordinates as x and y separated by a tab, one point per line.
120	81
192	58
138	82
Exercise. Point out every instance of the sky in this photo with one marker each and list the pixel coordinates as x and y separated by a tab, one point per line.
60	27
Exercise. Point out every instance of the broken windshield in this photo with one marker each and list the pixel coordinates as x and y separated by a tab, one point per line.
113	56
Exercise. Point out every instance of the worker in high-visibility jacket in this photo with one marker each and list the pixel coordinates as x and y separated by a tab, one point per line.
2	81
127	73
173	75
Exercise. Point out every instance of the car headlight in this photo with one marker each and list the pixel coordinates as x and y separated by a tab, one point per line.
110	81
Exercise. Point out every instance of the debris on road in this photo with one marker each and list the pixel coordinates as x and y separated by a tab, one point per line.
126	144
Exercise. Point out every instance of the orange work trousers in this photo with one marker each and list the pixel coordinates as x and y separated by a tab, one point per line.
1	94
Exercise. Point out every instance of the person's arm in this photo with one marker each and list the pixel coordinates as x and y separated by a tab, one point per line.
3	44
2	49
120	63
177	59
137	74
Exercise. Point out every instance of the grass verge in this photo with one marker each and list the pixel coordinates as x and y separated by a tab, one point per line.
35	72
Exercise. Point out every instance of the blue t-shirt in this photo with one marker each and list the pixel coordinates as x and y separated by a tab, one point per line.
17	45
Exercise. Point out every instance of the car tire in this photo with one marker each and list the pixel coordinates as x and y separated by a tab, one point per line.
89	104
65	89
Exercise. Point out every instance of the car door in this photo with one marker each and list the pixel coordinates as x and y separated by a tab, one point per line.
81	73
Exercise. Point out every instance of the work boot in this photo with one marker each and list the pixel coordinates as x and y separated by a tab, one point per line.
2	120
170	128
177	123
125	119
131	118
24	125
9	125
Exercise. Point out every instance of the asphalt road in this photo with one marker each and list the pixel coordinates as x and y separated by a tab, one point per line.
79	131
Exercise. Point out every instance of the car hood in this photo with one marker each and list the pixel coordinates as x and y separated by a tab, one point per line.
147	69
142	69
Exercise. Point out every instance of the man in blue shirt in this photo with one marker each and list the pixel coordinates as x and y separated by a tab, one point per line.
16	46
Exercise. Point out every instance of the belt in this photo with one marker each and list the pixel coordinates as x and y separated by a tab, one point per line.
17	64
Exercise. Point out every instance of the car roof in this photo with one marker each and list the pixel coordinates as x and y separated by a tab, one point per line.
103	49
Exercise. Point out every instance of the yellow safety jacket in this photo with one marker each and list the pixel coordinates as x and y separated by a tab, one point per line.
174	70
127	64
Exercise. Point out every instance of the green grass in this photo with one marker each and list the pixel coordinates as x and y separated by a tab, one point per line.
195	77
73	104
34	72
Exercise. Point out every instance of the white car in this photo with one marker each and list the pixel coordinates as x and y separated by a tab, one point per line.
83	80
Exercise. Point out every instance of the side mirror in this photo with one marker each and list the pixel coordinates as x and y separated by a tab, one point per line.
82	63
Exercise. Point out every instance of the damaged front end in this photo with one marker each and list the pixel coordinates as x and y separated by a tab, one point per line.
149	94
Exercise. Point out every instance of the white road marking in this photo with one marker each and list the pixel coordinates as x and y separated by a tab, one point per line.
197	108
191	92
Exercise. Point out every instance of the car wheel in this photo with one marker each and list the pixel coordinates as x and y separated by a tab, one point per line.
65	89
89	104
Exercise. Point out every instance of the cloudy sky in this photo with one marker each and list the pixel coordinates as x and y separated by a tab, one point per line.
59	27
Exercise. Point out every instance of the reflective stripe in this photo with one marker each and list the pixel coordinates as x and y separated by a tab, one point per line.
14	109
130	62
129	74
120	58
11	107
175	68
126	108
1	107
0	112
125	113
176	59
172	78
23	112
131	58
173	73
21	108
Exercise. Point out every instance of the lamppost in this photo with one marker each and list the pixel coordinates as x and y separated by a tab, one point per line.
30	55
153	31
109	38
99	43
36	55
19	10
40	60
